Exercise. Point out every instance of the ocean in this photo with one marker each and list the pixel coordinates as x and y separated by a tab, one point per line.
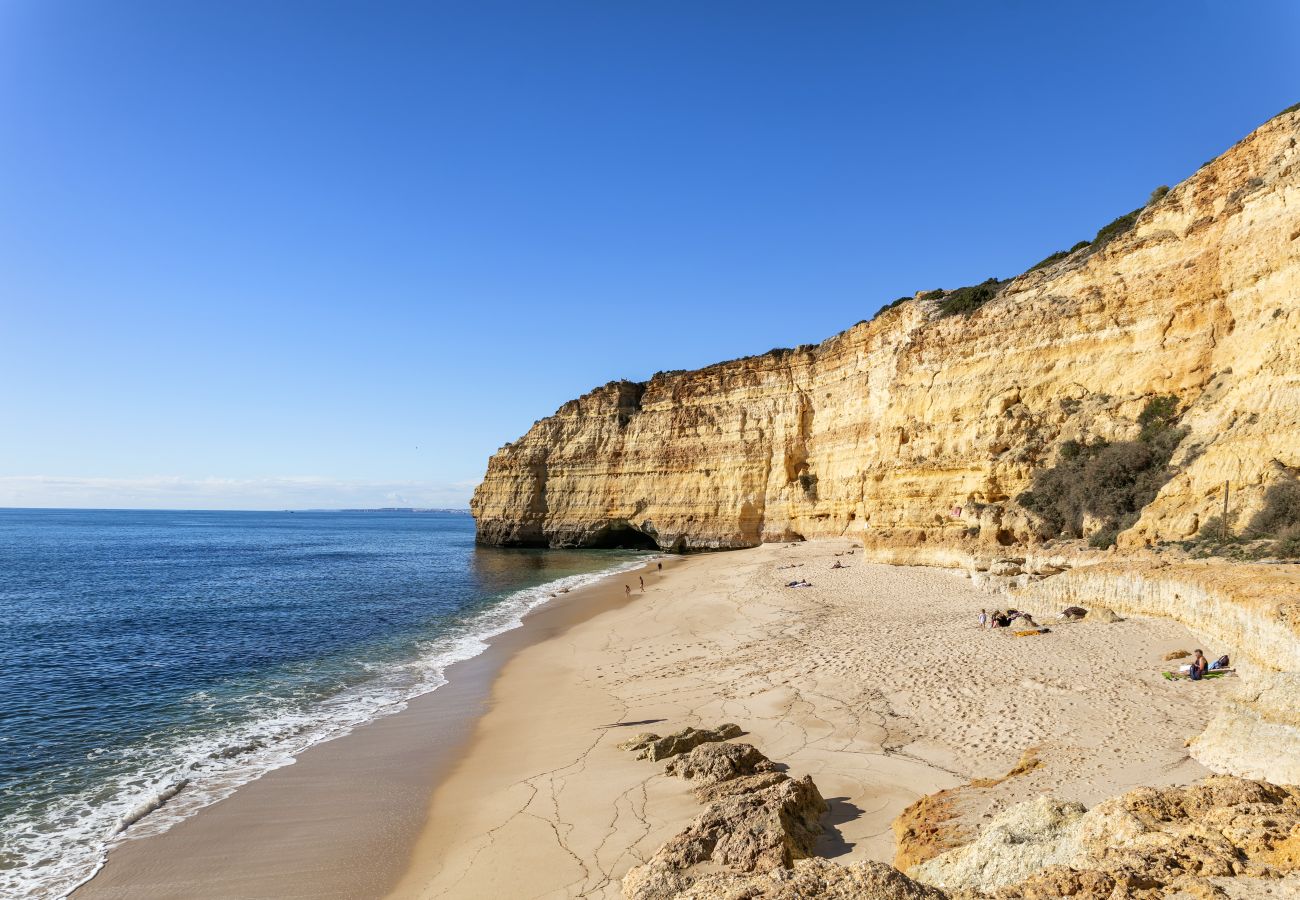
153	661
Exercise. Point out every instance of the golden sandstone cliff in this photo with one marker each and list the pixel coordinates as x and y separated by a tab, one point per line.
919	429
916	433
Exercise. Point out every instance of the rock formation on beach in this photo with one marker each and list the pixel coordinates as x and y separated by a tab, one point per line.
923	425
756	819
1150	842
756	838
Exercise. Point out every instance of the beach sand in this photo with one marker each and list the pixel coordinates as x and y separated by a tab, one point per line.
876	681
507	782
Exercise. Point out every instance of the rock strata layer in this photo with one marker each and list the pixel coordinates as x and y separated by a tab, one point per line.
916	429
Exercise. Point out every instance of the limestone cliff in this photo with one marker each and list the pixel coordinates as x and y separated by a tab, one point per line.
920	429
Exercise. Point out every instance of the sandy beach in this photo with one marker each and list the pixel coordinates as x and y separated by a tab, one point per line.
875	681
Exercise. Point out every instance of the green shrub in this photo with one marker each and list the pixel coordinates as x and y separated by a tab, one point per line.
1104	480
1048	260
1158	194
893	303
966	300
1120	226
1104	539
1070	450
1157	415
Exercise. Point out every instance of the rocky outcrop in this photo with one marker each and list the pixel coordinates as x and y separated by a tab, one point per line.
1148	843
757	820
1014	845
1222	837
711	764
654	748
919	430
813	879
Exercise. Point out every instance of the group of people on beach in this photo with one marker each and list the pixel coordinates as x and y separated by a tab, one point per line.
1001	619
627	588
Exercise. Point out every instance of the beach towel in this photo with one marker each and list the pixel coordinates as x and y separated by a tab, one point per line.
1183	676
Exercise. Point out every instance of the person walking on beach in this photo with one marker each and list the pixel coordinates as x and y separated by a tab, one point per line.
661	566
984	618
627	589
641	578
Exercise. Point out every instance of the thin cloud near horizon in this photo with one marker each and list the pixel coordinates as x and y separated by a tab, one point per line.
211	492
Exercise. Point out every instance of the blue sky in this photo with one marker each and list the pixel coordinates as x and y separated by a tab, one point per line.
335	254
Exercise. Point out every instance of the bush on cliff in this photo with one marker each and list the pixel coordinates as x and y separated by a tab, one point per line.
1057	256
888	306
1115	228
1107	481
966	300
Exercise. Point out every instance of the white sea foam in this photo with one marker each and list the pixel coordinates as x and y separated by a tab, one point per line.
49	852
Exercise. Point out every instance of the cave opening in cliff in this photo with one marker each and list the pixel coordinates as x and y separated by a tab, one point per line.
621	535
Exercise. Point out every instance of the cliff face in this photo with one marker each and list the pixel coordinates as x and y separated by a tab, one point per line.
915	429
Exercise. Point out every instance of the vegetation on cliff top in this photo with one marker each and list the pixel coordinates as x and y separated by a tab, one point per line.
1106	481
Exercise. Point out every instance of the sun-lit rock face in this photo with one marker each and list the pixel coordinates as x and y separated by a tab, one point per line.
915	429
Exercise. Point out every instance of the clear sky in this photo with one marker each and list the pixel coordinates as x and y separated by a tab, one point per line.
264	255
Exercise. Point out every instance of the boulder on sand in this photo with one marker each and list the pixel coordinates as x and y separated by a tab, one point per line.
654	748
714	763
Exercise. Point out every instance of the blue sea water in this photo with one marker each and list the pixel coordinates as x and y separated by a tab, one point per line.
151	662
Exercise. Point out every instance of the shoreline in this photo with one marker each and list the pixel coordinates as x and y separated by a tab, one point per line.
506	780
858	682
342	818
